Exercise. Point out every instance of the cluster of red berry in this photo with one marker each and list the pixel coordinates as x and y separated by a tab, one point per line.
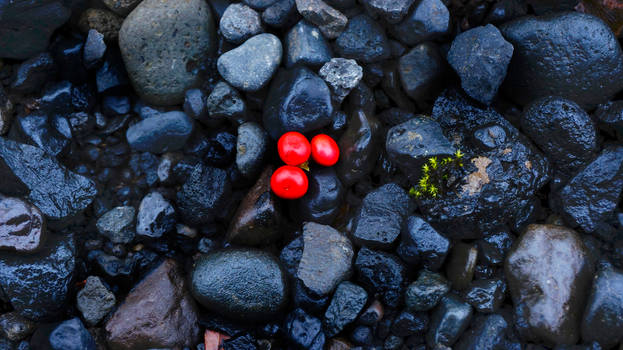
290	181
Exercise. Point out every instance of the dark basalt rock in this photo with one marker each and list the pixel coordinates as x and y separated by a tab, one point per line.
428	20
70	335
346	304
225	102
304	331
281	14
589	199
493	247
196	104
60	194
27	26
382	273
571	55
15	327
330	21
486	296
448	321
35	129
488	333
240	284
323	199
161	133
392	11
461	265
363	40
422	245
549	273
38	285
251	149
22	226
298	100
379	220
424	293
409	324
503	170
204	195
305	45
563	130
33	73
94	49
240	22
421	72
601	321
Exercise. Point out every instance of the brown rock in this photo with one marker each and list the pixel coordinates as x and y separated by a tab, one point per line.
257	220
104	21
22	226
158	313
549	274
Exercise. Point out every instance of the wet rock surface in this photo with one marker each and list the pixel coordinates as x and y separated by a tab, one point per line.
347	302
22	226
422	245
160	133
306	45
600	322
382	273
70	334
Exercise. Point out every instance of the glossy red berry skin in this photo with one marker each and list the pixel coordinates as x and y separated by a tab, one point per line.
289	182
293	148
325	150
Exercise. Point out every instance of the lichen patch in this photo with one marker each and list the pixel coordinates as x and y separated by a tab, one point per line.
478	178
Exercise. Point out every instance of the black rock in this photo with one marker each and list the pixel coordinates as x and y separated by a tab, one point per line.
461	265
57	98
589	199
94	300
204	195
69	335
493	247
35	129
563	130
83	97
94	49
240	284
112	74
428	20
33	73
221	150
304	331
409	145
392	11
162	133
323	199
486	296
346	304
156	216
330	21
113	106
379	220
251	149
67	53
27	26
422	245
305	45
117	224
38	285
507	10
6	112
15	327
362	335
225	102
239	22
424	293
59	194
421	72
406	324
281	14
259	4
586	55
480	57
196	104
291	255
448	321
298	100
359	147
487	333
363	40
341	75
600	321
381	273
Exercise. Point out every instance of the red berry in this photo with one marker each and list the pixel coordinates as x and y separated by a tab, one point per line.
324	150
293	147
289	182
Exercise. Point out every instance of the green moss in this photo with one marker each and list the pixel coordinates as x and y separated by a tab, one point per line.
436	175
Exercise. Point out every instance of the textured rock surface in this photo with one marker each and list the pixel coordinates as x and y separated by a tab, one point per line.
22	226
601	321
95	300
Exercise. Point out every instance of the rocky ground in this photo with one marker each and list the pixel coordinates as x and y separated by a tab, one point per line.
475	203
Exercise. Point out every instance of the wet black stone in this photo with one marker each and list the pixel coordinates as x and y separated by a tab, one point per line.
563	130
291	255
448	321
424	293
486	296
486	333
422	245
382	273
33	73
94	49
240	284
305	45
38	285
121	271
461	265
281	14
480	56
379	220
221	149
162	133
56	98
586	54
362	335
298	100
428	20
251	149
225	102
323	199
600	321
36	130
67	54
359	147
195	104
493	247
114	155
506	10
243	342
83	97
60	194
27	27
81	123
409	145
303	297
364	40
392	11
304	331
69	335
115	105
204	195
589	199
259	4
112	74
347	302
422	71
407	324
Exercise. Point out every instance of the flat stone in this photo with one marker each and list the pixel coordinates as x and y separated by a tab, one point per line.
161	133
162	44
326	260
117	224
553	261
94	300
305	45
330	21
22	226
341	75
251	65
241	284
60	194
346	304
162	301
156	216
240	22
379	220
